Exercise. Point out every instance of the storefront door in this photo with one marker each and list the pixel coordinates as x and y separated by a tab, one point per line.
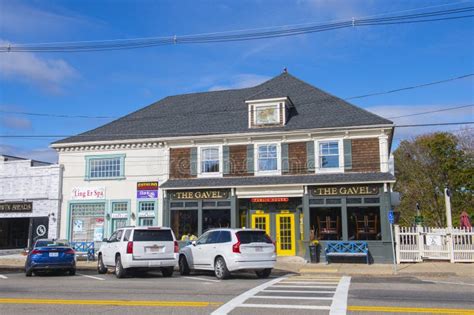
261	221
285	234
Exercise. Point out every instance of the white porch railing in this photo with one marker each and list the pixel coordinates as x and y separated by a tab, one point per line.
415	244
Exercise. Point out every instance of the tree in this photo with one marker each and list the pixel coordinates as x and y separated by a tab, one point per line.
425	166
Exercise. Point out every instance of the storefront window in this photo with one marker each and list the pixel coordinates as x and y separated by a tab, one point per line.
184	222
267	157
87	222
118	223
329	154
146	221
364	223
215	219
326	223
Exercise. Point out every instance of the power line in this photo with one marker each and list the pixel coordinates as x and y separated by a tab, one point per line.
239	110
281	31
191	134
411	87
432	111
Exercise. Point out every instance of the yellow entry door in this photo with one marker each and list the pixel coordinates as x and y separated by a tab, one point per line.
285	234
261	221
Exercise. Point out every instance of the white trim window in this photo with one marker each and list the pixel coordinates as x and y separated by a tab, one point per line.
330	157
210	161
268	159
266	114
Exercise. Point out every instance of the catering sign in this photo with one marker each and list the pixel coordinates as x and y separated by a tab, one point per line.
346	190
7	207
270	199
147	190
88	193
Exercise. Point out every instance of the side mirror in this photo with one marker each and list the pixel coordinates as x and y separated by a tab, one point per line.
105	240
193	243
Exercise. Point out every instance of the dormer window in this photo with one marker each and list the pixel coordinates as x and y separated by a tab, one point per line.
272	112
267	114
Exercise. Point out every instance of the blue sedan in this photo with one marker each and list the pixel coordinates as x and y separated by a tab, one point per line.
50	255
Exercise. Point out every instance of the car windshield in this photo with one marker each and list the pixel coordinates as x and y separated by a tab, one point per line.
152	236
247	237
50	243
44	243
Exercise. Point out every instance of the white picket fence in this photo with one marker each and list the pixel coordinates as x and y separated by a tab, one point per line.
415	244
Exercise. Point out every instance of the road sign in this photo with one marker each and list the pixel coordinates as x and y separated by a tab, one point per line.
391	217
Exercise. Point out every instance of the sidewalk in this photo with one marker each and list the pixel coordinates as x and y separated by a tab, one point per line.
440	269
298	265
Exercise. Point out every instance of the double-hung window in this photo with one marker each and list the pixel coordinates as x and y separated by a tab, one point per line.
267	156
210	160
110	167
329	155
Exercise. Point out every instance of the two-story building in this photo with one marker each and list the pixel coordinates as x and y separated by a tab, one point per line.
283	156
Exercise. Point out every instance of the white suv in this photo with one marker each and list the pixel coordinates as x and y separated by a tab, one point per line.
227	250
139	248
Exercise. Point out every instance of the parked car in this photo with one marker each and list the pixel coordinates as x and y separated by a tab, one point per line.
50	255
228	250
139	248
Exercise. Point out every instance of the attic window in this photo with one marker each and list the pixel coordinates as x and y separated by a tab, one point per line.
267	114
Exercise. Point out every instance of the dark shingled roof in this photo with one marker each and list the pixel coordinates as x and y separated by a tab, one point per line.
225	112
225	182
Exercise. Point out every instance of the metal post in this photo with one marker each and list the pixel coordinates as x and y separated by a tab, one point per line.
393	250
449	224
447	199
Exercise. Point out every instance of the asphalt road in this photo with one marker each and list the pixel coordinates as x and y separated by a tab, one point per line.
89	293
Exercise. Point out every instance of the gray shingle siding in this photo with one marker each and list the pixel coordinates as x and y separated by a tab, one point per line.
225	112
226	182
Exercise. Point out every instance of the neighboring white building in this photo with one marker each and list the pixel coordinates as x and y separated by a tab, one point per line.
109	186
30	193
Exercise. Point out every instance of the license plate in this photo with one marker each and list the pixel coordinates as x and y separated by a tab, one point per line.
53	254
153	249
258	249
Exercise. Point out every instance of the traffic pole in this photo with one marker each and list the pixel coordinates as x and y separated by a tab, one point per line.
393	250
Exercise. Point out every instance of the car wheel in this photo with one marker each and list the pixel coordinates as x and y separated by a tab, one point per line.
264	273
72	272
101	269
183	266
167	271
119	270
220	269
28	272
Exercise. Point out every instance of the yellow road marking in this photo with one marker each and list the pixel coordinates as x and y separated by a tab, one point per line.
111	302
396	309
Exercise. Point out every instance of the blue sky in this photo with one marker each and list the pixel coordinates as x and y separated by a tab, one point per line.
344	62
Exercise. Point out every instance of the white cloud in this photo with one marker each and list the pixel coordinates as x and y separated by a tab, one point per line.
240	81
50	74
13	122
457	115
39	154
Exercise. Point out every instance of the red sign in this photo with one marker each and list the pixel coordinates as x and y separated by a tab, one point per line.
147	186
273	199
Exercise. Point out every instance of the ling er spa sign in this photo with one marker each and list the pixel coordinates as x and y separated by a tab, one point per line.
351	190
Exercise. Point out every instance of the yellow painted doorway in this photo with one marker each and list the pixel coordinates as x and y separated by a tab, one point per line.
261	221
285	234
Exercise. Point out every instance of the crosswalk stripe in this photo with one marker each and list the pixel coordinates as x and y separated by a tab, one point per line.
307	282
291	297
302	307
299	291
306	286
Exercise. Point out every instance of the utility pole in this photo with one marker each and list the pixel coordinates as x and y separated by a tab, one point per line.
447	199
